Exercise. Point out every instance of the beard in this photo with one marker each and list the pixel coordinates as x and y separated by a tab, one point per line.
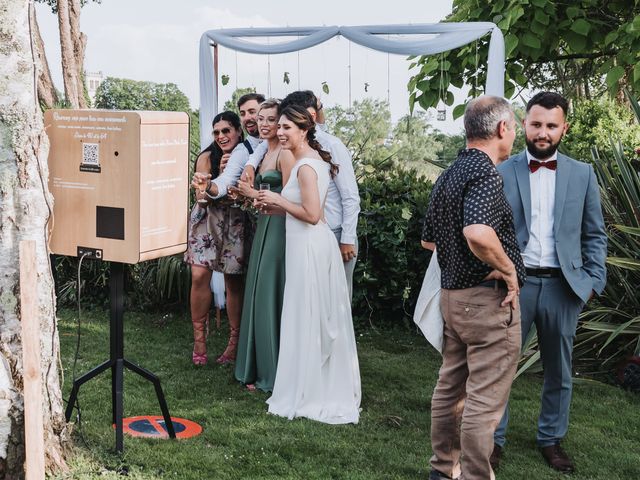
252	129
542	153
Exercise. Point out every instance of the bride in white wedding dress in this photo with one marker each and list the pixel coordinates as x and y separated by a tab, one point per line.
318	376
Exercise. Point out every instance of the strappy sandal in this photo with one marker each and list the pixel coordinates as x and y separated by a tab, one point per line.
199	330
229	354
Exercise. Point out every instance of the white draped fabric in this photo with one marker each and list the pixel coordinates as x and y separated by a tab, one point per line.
446	36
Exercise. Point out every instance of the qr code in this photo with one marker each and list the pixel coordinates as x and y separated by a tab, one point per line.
90	153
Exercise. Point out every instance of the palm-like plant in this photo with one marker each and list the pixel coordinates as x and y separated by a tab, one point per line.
611	329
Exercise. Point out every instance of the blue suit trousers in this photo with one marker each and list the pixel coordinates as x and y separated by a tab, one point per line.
550	305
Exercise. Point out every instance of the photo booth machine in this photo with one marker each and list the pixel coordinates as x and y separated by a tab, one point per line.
120	182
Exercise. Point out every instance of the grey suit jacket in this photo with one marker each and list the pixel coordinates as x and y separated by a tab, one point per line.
578	226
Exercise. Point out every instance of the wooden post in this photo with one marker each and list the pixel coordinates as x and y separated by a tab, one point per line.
33	421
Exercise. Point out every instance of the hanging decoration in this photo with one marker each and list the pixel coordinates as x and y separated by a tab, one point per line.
441	112
285	78
325	87
224	79
366	86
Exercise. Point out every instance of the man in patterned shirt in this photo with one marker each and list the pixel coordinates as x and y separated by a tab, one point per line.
470	223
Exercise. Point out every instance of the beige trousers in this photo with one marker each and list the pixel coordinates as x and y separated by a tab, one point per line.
480	355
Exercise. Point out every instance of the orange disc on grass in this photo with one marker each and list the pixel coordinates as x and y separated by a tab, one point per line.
153	426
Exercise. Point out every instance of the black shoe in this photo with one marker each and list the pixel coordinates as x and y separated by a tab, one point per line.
495	457
557	458
436	475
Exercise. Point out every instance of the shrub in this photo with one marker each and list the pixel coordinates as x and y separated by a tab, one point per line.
594	123
391	262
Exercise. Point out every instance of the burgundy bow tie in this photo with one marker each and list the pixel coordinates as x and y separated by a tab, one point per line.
534	165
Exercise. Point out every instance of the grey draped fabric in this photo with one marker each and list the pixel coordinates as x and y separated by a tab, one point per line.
446	36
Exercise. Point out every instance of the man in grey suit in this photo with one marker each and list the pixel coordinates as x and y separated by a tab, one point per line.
560	230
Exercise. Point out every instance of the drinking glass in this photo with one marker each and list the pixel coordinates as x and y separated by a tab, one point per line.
202	187
233	190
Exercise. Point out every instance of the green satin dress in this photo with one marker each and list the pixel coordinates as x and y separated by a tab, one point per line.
259	341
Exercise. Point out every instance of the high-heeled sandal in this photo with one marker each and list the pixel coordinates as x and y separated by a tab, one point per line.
199	359
229	354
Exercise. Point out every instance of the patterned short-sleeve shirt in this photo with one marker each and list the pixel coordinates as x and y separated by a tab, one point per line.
469	192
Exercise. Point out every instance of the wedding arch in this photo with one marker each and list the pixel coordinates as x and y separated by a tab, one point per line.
446	36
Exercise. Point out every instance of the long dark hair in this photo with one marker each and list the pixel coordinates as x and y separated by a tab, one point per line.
214	149
301	117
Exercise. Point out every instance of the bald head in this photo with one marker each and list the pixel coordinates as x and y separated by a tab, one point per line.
483	115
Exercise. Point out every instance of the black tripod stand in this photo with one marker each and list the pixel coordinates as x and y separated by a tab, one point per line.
117	362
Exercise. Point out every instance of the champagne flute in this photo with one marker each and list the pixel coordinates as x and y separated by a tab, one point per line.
264	186
233	190
202	187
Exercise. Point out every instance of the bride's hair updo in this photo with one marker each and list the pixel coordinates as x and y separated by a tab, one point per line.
301	117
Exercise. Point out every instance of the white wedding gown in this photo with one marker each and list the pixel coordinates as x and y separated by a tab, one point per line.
318	376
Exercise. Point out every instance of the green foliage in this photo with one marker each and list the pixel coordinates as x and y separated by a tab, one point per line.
416	144
54	3
581	49
124	94
595	122
232	103
363	128
391	261
611	329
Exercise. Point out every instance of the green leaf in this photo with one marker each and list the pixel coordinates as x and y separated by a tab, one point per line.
576	42
450	99
540	3
630	230
406	213
510	43
611	37
636	73
627	263
531	40
424	85
614	75
541	17
573	12
458	111
538	28
581	27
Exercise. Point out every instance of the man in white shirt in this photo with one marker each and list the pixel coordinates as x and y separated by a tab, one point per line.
560	230
343	199
231	165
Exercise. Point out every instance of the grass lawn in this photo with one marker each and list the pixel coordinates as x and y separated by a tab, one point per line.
240	440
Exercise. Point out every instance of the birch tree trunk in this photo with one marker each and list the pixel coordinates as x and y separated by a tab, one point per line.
25	205
46	90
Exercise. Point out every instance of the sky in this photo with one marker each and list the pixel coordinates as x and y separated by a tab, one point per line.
157	40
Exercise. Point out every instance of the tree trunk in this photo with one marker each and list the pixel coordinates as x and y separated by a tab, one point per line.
47	94
79	46
24	211
71	73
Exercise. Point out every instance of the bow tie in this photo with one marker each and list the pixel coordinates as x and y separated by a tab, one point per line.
534	165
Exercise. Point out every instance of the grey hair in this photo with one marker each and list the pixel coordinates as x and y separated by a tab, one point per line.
483	115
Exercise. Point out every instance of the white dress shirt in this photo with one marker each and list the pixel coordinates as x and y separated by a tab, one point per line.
342	205
235	165
541	249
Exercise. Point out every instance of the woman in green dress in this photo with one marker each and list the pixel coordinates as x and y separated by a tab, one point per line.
258	345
